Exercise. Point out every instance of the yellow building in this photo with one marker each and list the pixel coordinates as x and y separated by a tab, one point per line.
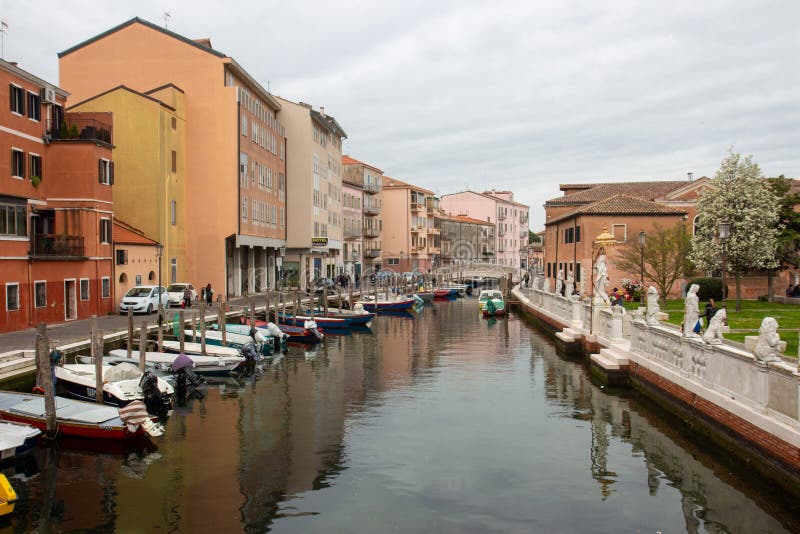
150	183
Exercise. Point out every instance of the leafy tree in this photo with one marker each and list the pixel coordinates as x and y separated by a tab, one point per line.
665	252
533	238
739	195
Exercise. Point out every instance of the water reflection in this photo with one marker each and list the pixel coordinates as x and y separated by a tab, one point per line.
443	421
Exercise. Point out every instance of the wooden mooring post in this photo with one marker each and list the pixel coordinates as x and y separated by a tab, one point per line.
203	326
97	358
221	323
130	332
181	331
143	346
45	370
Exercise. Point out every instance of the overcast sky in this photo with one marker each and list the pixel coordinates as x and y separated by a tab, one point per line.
508	95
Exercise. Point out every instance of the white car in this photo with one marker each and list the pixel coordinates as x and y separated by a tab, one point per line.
143	299
175	293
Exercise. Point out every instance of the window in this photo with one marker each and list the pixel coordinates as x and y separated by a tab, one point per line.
577	234
39	294
13	219
393	261
106	287
620	232
174	161
17	163
577	272
36	166
17	100
173	270
34	107
244	208
138	279
84	289
105	231
122	257
174	123
12	296
172	212
105	171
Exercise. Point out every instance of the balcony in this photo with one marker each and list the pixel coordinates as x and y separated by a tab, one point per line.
501	216
372	188
352	233
53	246
432	230
371	232
372	252
416	206
416	229
79	126
371	207
500	231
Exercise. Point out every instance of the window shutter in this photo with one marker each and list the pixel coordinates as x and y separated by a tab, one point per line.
111	172
22	162
100	171
11	93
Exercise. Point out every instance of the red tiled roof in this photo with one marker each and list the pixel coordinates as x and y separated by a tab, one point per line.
620	205
128	235
347	160
595	192
394	182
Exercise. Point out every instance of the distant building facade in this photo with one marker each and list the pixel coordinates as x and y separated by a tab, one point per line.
370	180
465	240
136	259
352	229
411	240
314	238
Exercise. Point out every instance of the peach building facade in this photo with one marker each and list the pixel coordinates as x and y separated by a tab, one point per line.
499	208
135	258
410	235
56	214
235	163
352	228
314	235
370	180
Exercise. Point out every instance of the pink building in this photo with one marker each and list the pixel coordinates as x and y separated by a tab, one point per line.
509	217
352	226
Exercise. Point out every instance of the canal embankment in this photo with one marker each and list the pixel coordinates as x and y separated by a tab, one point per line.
749	407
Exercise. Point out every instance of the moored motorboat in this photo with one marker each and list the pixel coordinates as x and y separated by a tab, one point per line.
385	303
491	302
445	293
426	296
238	341
203	365
308	333
353	317
73	417
326	323
121	383
191	348
16	439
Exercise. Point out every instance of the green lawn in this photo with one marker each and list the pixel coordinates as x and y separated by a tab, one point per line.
747	321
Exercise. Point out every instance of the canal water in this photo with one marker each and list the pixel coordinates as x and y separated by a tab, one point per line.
437	422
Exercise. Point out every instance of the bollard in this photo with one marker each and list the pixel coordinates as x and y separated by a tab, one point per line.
143	346
130	332
45	371
203	327
181	331
221	323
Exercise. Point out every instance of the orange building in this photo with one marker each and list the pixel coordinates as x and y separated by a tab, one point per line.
410	236
56	212
235	146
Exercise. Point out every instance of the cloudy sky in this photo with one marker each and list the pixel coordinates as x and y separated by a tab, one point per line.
493	94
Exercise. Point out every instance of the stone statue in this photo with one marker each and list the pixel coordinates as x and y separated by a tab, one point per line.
652	306
569	286
546	285
691	311
559	281
713	333
767	346
601	281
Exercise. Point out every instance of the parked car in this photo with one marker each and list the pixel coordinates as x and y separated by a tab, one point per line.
143	299
175	293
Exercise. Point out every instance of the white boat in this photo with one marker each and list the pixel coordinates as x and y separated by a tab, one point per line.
191	348
461	289
491	302
203	365
120	382
16	439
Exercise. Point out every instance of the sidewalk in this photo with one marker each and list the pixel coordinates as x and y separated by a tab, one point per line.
74	331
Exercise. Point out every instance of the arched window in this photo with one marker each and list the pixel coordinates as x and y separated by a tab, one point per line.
123	278
152	276
695	222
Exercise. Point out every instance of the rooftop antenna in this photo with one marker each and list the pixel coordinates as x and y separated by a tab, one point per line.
3	30
166	18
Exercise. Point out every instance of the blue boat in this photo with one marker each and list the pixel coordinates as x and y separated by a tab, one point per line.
326	323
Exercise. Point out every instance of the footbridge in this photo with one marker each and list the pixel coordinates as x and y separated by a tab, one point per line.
478	270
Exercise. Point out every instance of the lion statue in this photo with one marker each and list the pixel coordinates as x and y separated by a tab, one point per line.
767	346
713	333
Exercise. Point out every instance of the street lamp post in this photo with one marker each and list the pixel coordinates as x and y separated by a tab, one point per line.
724	230
159	253
642	240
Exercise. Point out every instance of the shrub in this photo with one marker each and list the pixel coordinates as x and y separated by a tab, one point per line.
73	132
710	288
763	298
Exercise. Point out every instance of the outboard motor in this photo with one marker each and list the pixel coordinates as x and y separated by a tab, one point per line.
278	337
157	403
312	326
182	369
250	352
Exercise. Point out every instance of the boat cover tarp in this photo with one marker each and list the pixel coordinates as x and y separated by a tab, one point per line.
122	371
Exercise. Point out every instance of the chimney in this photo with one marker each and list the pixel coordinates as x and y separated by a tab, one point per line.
322	110
690	175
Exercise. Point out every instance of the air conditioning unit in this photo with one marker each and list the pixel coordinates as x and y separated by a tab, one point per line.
48	95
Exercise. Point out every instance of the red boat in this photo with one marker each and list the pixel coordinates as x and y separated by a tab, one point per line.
73	417
444	293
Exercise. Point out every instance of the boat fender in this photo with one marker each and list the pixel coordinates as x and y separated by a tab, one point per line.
310	325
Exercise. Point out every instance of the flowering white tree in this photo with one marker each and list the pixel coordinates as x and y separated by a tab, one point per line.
742	197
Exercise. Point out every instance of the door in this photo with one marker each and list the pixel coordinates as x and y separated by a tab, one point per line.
70	300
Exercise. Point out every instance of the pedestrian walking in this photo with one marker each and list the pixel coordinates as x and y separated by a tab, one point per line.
209	294
187	297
